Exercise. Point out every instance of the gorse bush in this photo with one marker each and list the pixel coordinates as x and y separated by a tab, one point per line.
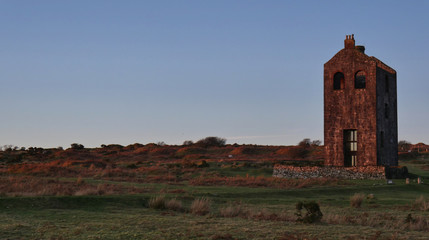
312	215
357	199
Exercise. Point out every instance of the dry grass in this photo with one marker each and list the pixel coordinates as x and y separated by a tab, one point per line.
357	199
421	204
262	214
233	210
380	220
261	181
220	236
34	186
201	206
174	204
101	189
79	181
157	202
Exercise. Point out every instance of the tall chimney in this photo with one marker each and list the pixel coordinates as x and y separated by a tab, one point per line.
349	43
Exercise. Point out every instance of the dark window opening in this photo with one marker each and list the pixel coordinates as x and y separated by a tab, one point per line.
350	148
338	81
360	80
386	83
386	110
382	139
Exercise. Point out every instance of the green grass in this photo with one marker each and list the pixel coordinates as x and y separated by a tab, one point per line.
128	216
150	224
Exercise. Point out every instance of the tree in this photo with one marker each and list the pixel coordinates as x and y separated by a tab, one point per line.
316	143
188	143
404	146
211	142
77	146
305	143
161	143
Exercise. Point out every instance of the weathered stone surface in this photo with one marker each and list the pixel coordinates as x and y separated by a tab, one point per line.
371	110
366	172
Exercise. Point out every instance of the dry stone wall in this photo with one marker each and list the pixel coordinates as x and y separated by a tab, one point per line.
368	172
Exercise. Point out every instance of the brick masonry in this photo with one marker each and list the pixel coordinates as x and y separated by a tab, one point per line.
372	110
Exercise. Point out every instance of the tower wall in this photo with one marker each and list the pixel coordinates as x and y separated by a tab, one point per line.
387	123
364	109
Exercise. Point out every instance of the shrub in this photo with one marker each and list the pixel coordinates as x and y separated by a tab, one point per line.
211	142
157	202
189	151
305	143
356	200
404	146
247	150
203	164
162	151
299	152
188	143
77	146
174	204
312	215
200	206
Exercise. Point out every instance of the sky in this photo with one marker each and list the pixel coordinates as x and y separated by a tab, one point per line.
123	72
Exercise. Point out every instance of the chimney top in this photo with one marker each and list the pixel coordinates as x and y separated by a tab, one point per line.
360	48
349	42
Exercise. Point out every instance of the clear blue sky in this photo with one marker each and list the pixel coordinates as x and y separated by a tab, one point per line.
101	72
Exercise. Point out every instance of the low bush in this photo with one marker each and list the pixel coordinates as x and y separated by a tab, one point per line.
312	215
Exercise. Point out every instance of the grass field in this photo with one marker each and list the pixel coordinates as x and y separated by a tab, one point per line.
242	201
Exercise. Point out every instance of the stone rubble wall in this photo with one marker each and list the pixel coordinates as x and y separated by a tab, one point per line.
370	172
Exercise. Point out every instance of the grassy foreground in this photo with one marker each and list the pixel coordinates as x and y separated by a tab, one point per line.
271	214
239	202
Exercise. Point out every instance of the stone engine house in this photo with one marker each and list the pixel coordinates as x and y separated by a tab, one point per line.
360	109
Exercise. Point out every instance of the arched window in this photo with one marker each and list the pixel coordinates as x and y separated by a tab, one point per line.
360	79
338	81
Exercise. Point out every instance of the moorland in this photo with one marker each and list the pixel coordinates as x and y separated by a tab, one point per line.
202	190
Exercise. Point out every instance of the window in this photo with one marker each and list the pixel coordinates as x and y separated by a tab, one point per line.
338	81
386	83
360	79
382	139
386	110
350	148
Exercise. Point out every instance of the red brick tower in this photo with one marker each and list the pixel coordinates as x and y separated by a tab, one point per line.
360	112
